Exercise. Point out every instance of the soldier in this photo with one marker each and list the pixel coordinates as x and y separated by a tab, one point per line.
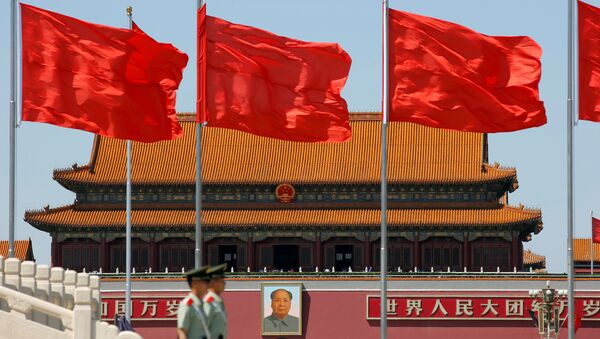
192	322
213	302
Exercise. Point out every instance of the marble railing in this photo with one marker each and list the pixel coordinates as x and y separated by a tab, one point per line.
37	301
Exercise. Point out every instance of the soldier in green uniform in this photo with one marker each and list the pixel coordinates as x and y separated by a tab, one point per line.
192	322
213	302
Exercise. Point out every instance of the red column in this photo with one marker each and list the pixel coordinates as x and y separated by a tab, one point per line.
367	254
318	252
514	260
54	253
466	252
250	253
152	257
104	254
204	253
417	259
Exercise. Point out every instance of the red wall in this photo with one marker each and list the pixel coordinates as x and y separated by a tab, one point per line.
331	314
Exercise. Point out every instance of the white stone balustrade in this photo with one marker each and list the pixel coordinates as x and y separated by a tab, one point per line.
28	277
42	290
69	283
12	273
95	287
1	270
38	302
57	293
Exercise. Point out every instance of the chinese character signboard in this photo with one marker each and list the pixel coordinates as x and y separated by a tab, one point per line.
162	308
453	307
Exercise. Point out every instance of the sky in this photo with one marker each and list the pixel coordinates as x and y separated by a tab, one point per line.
539	154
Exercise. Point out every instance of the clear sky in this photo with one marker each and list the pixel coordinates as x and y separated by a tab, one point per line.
538	154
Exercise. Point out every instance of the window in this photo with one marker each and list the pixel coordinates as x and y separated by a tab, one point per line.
139	255
491	254
399	255
175	254
78	254
441	253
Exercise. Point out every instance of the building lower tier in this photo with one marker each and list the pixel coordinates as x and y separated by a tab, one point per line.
294	251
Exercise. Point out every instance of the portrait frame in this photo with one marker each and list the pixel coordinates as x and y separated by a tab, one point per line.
295	310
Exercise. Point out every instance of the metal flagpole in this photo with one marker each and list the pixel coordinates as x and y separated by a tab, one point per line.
384	125
570	111
592	244
198	251
128	215
12	128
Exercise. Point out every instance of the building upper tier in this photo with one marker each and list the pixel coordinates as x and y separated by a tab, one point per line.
416	155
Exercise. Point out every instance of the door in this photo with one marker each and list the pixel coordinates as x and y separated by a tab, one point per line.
343	257
228	254
286	258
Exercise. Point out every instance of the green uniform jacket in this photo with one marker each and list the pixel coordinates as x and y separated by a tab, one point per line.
190	318
217	317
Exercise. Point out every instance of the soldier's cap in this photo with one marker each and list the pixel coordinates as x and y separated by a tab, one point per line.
198	274
217	272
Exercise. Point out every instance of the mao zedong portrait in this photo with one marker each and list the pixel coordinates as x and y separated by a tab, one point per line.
280	321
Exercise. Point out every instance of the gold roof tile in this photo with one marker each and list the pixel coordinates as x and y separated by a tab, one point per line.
582	250
22	247
68	217
417	154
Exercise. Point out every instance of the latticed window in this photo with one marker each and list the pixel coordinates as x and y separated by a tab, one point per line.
175	254
491	254
80	254
441	253
139	255
399	255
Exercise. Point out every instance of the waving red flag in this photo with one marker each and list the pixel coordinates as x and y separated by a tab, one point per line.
595	230
114	82
589	62
449	76
270	85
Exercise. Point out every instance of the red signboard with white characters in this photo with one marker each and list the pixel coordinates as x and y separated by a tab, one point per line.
399	307
464	307
142	308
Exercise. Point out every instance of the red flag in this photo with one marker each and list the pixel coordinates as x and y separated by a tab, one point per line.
270	85
448	76
595	230
576	321
114	82
589	59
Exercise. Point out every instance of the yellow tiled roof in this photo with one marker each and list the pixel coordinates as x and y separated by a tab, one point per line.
68	217
582	250
530	258
22	247
417	154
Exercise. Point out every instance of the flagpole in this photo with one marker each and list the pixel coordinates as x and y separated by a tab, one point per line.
592	244
128	214
12	128
198	250
570	111
384	126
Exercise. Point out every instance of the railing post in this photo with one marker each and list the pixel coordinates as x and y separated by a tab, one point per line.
95	287
28	277
42	290
1	270
82	313
12	273
57	293
69	283
57	289
83	280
